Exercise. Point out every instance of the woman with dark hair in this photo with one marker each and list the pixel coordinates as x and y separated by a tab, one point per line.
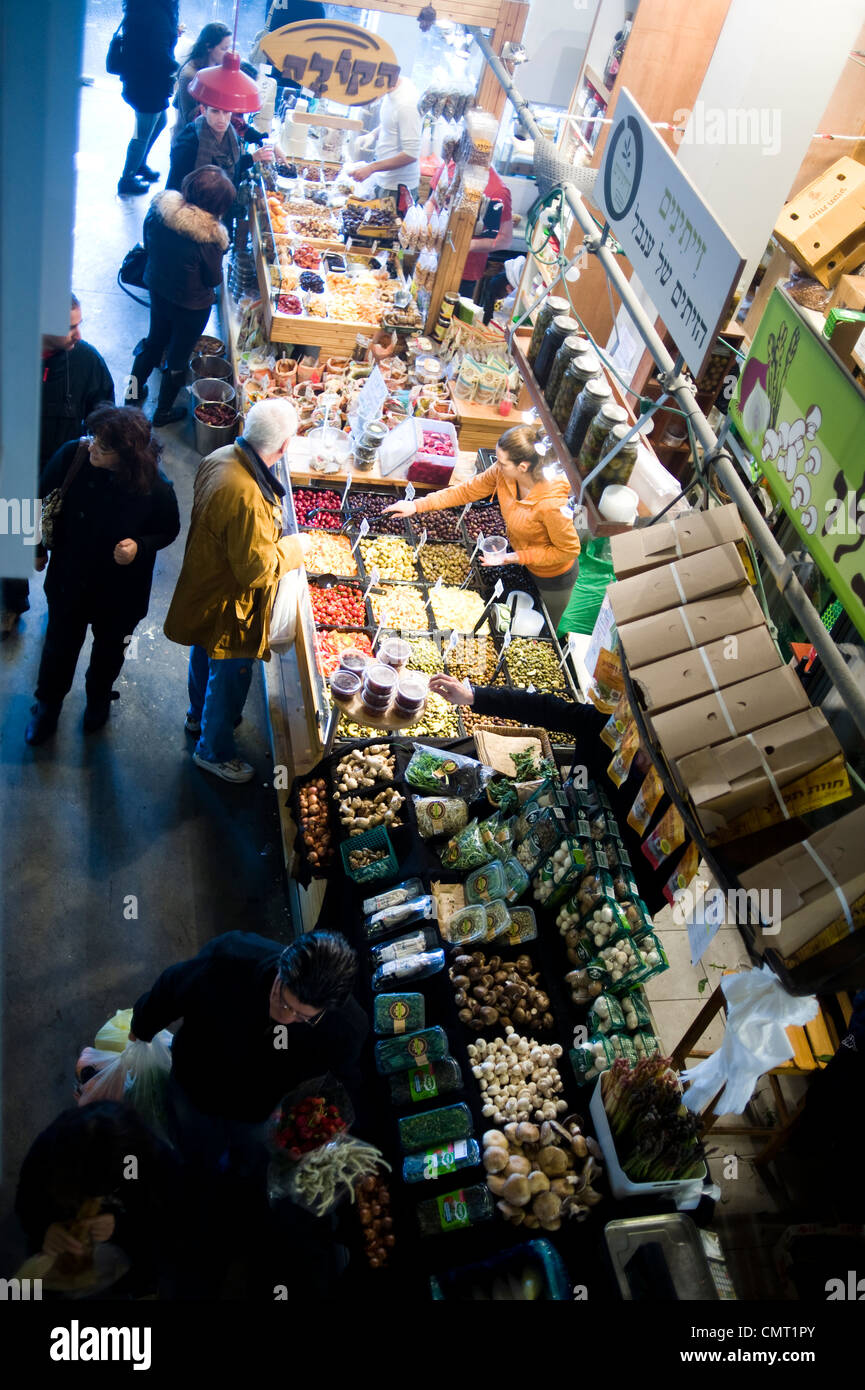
209	48
98	1174
147	70
540	528
118	510
213	138
185	240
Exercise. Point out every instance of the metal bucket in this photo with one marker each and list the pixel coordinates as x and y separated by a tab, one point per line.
211	437
211	389
209	367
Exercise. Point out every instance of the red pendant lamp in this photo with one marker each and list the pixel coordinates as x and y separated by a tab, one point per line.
225	86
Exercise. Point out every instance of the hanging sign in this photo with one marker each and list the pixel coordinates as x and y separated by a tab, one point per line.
683	256
339	61
803	418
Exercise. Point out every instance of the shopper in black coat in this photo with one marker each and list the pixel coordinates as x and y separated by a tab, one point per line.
209	139
585	723
257	1021
185	242
117	512
147	70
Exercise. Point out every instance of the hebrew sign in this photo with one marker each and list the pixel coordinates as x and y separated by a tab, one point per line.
342	62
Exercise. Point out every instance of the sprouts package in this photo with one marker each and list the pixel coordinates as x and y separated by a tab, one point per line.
466	850
452	774
439	815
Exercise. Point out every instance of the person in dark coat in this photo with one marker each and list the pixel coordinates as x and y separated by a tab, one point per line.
185	241
83	1157
210	139
148	66
257	1021
75	380
585	723
119	509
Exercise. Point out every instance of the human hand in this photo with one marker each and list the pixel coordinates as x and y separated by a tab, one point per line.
509	558
39	563
102	1226
263	155
305	541
131	1036
361	172
403	508
58	1241
125	552
452	690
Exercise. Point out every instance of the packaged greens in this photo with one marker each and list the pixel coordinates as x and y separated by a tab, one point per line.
399	1013
523	927
605	1015
466	850
498	918
488	882
438	770
418	1132
437	815
403	914
518	881
425	1083
439	1162
408	968
426	939
598	1055
392	897
411	1050
467	925
496	833
455	1211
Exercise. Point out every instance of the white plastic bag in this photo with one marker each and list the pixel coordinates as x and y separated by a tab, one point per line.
759	1009
137	1076
283	616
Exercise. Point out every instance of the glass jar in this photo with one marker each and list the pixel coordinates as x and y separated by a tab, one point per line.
586	407
558	331
594	446
579	370
573	345
547	312
620	468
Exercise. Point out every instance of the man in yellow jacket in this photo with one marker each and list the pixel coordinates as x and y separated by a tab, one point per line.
235	556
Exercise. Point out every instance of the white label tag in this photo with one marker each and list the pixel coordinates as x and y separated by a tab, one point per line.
437	584
346	489
499	589
465	511
409	492
363	530
421	543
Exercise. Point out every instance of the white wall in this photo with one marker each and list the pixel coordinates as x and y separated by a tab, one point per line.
784	57
555	39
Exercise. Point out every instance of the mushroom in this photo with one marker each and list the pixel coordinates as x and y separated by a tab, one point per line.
538	1182
493	1138
496	1159
496	1184
553	1161
547	1208
517	1164
517	1191
528	1133
515	1214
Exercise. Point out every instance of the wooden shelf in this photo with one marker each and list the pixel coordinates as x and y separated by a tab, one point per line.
590	76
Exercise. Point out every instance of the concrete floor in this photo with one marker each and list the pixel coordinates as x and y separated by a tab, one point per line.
91	821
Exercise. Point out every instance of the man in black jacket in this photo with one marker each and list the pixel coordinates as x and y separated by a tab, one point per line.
257	1021
75	380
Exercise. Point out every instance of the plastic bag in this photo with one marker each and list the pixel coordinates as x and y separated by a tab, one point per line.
138	1076
283	615
759	1011
466	850
114	1035
437	770
390	919
437	815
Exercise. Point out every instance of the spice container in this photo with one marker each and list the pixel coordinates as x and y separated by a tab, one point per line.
594	394
573	345
344	685
556	304
466	925
425	1083
411	692
560	328
498	918
435	1127
523	927
395	652
580	370
440	1161
620	468
456	1211
594	446
518	882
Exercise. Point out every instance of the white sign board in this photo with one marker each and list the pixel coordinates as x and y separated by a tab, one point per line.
682	254
371	398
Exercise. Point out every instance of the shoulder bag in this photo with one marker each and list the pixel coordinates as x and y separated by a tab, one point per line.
114	56
132	271
52	505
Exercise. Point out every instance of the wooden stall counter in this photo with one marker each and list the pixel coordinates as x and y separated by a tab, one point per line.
302	472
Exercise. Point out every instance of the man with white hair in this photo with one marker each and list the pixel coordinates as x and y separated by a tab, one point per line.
235	556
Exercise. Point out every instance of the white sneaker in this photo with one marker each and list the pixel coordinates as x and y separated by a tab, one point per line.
232	771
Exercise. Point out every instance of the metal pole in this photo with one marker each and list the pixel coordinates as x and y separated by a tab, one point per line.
679	387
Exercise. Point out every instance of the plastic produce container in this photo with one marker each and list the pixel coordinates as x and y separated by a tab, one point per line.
458	1285
685	1194
377	838
401	452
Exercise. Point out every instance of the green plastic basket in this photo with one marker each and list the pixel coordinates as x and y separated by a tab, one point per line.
377	838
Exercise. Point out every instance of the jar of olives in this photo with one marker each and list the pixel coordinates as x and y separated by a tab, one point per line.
574	344
556	304
620	468
561	326
594	446
579	370
586	406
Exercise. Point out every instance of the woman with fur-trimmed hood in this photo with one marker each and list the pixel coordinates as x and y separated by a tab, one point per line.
185	241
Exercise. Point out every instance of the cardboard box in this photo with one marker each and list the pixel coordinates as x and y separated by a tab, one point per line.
823	227
726	780
750	705
665	634
849	293
699	576
648	546
729	660
808	901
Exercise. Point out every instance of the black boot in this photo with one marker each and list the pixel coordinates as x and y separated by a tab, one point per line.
97	710
149	175
164	413
132	185
43	723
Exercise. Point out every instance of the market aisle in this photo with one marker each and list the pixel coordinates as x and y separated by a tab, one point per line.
118	855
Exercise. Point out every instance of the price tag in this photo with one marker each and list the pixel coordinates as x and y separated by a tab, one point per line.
374	577
452	642
346	490
437	585
478	543
531	687
362	530
376	636
465	511
499	589
409	492
570	649
421	543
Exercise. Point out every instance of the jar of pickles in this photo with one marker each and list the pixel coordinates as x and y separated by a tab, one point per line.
547	312
594	445
620	468
573	345
593	395
560	328
579	370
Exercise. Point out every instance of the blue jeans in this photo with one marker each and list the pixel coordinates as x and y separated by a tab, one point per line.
217	694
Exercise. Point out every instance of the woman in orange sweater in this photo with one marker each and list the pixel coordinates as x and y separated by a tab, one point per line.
540	529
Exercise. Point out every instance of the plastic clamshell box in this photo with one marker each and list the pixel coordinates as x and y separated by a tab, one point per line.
450	1286
685	1193
402	449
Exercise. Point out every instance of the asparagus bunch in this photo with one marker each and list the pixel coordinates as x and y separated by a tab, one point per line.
657	1139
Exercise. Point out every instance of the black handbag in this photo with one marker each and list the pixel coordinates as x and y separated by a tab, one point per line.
114	56
132	271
